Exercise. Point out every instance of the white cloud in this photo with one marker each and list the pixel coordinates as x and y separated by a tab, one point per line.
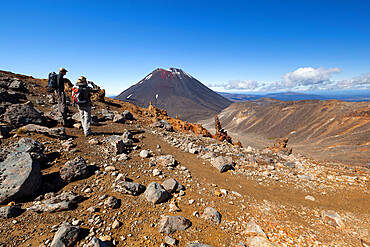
241	85
309	76
358	82
305	78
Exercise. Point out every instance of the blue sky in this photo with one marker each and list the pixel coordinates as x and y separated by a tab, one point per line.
228	45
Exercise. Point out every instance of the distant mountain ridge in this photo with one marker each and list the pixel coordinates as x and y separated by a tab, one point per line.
178	93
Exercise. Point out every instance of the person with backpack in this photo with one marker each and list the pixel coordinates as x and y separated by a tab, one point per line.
81	94
56	84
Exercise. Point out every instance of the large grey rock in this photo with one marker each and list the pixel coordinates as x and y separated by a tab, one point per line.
59	132
171	224
18	85
222	163
62	202
66	236
155	193
20	176
29	145
74	170
164	160
6	97
18	115
172	186
211	214
95	242
7	212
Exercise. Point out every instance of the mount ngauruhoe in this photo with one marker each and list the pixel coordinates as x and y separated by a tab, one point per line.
178	93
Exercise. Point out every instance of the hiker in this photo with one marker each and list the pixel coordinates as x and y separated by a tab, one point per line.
61	96
81	94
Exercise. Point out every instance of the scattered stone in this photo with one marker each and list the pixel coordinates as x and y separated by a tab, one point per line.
112	202
172	186
162	124
119	118
198	245
332	218
174	207
74	169
171	241
155	193
223	164
157	172
20	176
62	202
144	154
171	224
18	115
59	132
65	236
127	115
116	224
94	141
18	85
110	169
211	214
310	198
11	211
164	160
126	187
257	237
95	242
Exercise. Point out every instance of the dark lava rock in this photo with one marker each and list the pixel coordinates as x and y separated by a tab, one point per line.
20	176
112	202
128	115
66	236
74	169
162	124
18	85
172	186
19	115
171	224
155	193
7	212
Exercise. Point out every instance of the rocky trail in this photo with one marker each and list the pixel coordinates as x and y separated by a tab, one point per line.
144	179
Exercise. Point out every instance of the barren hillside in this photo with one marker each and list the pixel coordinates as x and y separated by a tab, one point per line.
145	179
335	130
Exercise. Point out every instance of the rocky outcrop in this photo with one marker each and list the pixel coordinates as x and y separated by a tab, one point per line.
18	115
19	176
58	132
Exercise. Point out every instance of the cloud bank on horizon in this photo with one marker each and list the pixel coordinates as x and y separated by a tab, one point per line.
305	78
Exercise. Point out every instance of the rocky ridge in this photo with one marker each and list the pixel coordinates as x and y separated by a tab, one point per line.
171	184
